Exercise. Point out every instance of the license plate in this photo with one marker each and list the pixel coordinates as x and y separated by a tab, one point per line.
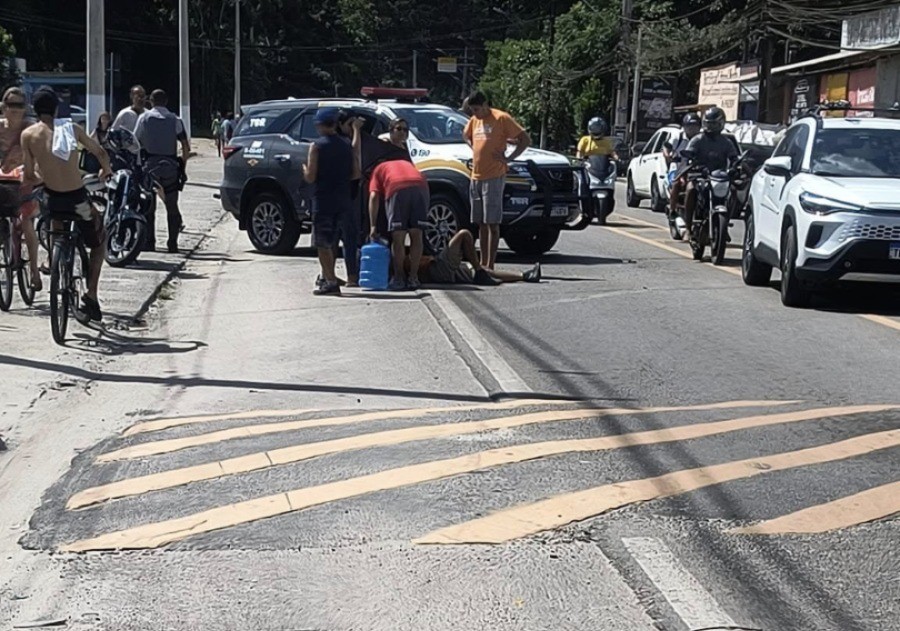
559	211
894	252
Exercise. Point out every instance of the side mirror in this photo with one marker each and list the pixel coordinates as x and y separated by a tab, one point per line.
780	166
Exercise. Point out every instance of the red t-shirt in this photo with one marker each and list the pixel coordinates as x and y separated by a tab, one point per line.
395	175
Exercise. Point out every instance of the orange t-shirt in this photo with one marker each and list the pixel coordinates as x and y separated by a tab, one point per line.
489	137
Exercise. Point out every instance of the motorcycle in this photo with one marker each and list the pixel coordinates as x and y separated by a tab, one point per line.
602	175
131	199
721	197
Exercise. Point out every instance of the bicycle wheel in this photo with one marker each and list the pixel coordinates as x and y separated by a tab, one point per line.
24	273
60	281
6	270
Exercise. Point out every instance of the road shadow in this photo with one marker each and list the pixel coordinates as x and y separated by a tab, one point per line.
375	295
871	299
217	257
558	258
113	346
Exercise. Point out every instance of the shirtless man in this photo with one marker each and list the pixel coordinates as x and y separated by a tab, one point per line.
65	192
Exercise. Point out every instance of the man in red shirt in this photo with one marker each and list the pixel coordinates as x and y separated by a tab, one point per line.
405	192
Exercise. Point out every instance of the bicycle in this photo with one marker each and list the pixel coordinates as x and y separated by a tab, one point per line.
13	256
69	268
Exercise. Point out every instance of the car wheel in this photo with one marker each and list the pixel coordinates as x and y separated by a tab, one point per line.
754	272
657	202
273	227
631	198
532	243
445	218
793	293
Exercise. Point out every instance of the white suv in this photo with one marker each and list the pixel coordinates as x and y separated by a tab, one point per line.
648	171
826	207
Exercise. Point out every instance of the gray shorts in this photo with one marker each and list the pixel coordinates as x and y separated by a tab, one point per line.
448	268
407	209
487	200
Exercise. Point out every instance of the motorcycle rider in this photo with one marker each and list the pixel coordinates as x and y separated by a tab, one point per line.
710	149
598	142
691	126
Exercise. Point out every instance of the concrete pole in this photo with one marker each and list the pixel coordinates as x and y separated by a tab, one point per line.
237	57
96	62
636	95
184	66
415	83
620	116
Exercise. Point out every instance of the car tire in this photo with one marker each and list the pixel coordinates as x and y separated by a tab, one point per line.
446	216
793	292
272	226
754	272
657	202
532	243
631	198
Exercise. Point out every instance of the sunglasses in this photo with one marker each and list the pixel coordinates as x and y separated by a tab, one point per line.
14	105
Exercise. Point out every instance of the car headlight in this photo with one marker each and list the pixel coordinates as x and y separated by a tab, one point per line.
519	169
818	205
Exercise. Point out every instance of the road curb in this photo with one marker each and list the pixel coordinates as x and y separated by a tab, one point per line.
145	306
202	185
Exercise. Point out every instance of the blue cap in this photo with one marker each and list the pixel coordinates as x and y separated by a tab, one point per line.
327	116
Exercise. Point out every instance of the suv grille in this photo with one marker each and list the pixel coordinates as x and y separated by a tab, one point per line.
878	231
563	179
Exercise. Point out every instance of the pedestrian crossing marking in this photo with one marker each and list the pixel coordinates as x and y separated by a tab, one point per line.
175	444
164	532
154	425
561	510
298	453
859	508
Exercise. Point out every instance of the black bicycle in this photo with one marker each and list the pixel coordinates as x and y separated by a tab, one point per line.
69	270
13	253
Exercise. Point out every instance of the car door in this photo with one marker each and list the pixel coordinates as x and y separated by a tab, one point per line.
645	165
289	153
766	196
658	168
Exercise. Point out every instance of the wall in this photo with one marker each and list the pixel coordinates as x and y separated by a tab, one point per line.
887	81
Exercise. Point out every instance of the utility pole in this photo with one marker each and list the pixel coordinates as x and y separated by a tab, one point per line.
765	73
415	82
545	109
96	61
184	67
620	124
237	58
636	90
465	77
112	78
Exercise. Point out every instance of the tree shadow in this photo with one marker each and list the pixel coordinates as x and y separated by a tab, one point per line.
111	347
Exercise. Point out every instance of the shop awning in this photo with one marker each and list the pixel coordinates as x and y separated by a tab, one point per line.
848	56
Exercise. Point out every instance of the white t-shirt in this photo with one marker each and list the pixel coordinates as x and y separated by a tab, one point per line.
127	119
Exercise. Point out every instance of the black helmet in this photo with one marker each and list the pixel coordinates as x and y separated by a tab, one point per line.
714	121
691	119
597	127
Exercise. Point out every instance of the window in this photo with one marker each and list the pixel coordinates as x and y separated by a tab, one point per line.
265	121
663	139
797	148
652	144
783	148
304	129
857	152
436	126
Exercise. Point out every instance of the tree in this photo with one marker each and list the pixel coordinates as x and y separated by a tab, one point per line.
7	66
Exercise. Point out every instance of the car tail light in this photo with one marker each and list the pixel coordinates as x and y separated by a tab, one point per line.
228	150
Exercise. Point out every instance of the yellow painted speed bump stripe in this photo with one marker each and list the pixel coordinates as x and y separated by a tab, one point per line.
165	532
530	519
298	453
166	423
877	503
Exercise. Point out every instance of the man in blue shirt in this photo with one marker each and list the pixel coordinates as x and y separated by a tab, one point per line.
332	167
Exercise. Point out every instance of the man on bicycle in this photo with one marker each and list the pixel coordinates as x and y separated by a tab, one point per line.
66	195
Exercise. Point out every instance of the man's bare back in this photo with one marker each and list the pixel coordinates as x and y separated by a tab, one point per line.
58	175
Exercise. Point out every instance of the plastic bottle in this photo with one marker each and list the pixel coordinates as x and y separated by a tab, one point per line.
374	266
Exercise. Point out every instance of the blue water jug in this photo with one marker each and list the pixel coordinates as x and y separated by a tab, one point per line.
374	266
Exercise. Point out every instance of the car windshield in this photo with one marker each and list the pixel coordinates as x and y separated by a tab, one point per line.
435	126
857	153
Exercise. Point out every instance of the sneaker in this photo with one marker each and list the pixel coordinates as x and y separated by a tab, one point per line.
413	284
484	279
533	275
396	285
92	308
328	289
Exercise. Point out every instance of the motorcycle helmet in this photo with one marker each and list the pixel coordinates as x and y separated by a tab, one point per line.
598	127
691	120
714	121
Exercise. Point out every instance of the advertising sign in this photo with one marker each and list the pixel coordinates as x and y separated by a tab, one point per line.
654	108
717	88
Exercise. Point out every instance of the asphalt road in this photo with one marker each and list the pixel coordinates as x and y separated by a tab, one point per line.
639	442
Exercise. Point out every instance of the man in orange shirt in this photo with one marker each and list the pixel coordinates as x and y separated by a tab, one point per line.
488	132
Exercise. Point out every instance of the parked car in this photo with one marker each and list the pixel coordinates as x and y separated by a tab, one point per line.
263	188
78	115
826	207
646	176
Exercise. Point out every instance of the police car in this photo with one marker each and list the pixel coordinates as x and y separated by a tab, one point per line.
263	187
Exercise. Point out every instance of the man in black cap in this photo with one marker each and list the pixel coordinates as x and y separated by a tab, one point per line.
56	163
332	166
160	132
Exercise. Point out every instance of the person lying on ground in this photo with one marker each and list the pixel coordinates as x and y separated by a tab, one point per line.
461	263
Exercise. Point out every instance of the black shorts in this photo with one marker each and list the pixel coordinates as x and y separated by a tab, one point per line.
75	206
330	227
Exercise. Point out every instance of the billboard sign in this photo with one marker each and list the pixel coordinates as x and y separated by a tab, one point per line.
655	107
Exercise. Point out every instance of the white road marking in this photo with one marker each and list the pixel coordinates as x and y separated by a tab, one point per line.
694	605
500	370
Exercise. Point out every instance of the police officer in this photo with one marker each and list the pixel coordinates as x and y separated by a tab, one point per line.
160	131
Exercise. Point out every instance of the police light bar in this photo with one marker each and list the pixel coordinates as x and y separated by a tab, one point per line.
406	94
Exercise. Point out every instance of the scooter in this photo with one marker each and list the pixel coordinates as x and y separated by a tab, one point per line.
602	175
